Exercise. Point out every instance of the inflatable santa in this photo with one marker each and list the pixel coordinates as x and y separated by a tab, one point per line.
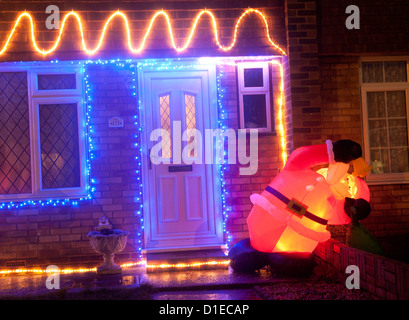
292	213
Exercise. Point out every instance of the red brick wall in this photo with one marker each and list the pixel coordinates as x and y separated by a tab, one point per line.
384	27
304	76
385	278
340	93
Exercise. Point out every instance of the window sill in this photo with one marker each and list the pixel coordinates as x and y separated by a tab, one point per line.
56	198
386	179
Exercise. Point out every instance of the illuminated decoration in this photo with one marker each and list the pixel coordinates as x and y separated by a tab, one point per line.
349	186
130	66
223	167
292	213
188	265
138	50
141	263
63	271
280	112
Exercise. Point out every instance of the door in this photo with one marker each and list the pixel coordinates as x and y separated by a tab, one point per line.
181	211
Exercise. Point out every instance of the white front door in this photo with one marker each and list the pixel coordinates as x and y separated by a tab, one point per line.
181	212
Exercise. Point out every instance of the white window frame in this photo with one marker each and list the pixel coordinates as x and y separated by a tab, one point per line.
265	89
382	178
35	98
35	72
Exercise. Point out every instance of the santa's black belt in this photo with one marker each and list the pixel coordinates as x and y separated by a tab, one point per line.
296	207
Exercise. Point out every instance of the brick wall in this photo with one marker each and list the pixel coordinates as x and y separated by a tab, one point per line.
304	76
340	93
57	235
384	278
384	27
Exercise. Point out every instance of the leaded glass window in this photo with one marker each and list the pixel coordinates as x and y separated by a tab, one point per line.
15	156
42	146
190	109
165	123
60	166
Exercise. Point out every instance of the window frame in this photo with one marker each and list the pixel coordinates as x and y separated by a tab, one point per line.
35	98
382	178
265	89
35	72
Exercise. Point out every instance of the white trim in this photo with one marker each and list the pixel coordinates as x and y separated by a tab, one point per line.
69	69
384	178
210	115
265	89
36	154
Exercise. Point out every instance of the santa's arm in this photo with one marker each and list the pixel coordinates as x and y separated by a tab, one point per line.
307	157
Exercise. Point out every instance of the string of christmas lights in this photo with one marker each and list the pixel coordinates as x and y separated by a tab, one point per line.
140	48
138	198
141	263
281	112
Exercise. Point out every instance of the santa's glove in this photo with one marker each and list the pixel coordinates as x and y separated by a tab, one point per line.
346	150
357	209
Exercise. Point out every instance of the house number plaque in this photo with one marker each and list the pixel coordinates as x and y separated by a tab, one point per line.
116	122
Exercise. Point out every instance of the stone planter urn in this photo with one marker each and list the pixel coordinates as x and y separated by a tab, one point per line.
108	241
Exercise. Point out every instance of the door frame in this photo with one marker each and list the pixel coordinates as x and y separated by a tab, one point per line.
143	73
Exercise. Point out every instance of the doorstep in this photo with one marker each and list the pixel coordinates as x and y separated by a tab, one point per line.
200	259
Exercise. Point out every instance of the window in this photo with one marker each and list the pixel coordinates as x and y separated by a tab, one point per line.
165	124
384	90
190	111
42	145
254	96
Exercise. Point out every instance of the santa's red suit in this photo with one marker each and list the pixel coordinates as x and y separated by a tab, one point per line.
292	213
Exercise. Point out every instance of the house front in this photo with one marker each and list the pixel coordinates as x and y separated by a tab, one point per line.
166	117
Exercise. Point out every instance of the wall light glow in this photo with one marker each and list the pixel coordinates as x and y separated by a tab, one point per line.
140	48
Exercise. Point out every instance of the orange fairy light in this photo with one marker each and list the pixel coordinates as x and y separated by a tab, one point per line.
280	113
139	49
188	265
142	263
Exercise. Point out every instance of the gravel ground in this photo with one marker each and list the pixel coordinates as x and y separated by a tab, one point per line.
314	290
325	283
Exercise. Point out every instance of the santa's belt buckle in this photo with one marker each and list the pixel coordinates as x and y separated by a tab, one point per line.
296	207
